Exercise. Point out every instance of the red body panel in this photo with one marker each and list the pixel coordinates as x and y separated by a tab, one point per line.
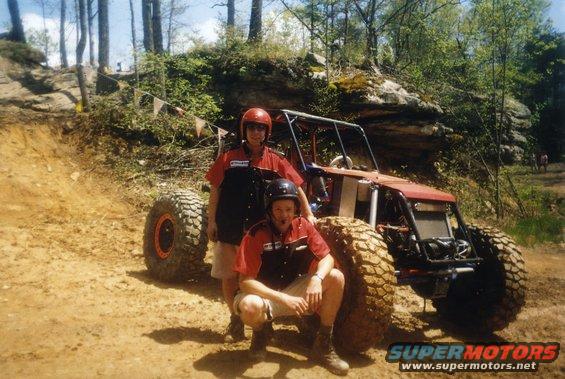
409	189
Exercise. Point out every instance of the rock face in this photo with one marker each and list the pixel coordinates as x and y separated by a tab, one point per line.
29	85
401	125
517	122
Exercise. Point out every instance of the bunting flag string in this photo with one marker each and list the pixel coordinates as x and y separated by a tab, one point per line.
199	123
157	105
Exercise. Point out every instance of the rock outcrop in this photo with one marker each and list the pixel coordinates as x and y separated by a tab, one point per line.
517	122
401	125
26	84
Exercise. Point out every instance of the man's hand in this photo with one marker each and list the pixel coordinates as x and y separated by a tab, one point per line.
297	304
212	231
314	293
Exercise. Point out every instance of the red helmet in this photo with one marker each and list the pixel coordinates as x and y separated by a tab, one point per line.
256	116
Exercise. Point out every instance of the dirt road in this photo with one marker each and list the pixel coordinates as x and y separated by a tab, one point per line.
76	300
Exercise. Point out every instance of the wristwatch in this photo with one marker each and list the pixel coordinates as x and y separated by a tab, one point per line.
318	276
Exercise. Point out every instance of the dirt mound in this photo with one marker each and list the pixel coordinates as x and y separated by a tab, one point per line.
76	299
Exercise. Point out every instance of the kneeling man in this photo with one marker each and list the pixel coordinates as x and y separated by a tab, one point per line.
285	269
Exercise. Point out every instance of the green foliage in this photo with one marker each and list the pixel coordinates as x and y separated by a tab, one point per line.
539	229
117	115
184	81
41	40
326	99
20	53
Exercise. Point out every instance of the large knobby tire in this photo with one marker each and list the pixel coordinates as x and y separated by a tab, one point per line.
175	240
489	299
368	299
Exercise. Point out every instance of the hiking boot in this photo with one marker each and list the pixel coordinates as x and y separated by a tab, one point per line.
259	341
323	352
308	327
234	331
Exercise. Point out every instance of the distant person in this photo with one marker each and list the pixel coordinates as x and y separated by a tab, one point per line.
543	162
238	179
119	69
534	163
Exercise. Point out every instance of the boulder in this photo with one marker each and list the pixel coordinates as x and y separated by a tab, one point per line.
400	124
39	88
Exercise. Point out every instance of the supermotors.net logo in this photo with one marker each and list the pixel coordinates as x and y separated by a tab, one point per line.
455	357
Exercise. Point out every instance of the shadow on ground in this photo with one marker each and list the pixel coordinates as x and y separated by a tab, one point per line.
170	336
200	283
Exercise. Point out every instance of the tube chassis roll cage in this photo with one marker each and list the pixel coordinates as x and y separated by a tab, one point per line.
296	115
292	117
406	207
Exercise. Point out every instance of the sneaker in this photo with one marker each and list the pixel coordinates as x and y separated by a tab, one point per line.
259	341
234	331
323	351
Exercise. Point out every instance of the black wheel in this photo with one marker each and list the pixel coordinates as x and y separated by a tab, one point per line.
367	305
491	298
175	240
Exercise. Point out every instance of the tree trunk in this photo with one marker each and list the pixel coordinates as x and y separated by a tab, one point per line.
17	32
312	26
231	16
346	24
103	46
62	45
371	48
255	32
90	32
45	34
80	50
77	25
147	27
134	41
170	26
157	30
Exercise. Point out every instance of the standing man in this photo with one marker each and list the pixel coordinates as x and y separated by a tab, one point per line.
237	181
543	162
285	269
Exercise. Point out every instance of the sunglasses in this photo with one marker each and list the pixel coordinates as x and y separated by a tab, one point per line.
258	127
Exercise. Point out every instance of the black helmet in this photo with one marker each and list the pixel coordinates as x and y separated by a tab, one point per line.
280	189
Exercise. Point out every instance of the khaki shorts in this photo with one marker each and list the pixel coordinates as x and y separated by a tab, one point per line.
275	309
224	259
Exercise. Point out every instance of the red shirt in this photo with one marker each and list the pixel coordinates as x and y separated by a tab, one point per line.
238	158
276	260
242	183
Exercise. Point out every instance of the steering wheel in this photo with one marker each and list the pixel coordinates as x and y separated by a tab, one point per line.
337	162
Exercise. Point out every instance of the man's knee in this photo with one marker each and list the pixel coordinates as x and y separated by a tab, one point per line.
335	279
251	308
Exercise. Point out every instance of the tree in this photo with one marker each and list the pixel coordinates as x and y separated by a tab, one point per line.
157	29
42	39
255	22
17	32
80	50
541	75
147	25
62	37
103	45
175	9
231	16
134	41
90	32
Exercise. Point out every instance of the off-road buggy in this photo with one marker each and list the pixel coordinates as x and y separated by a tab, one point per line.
382	230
